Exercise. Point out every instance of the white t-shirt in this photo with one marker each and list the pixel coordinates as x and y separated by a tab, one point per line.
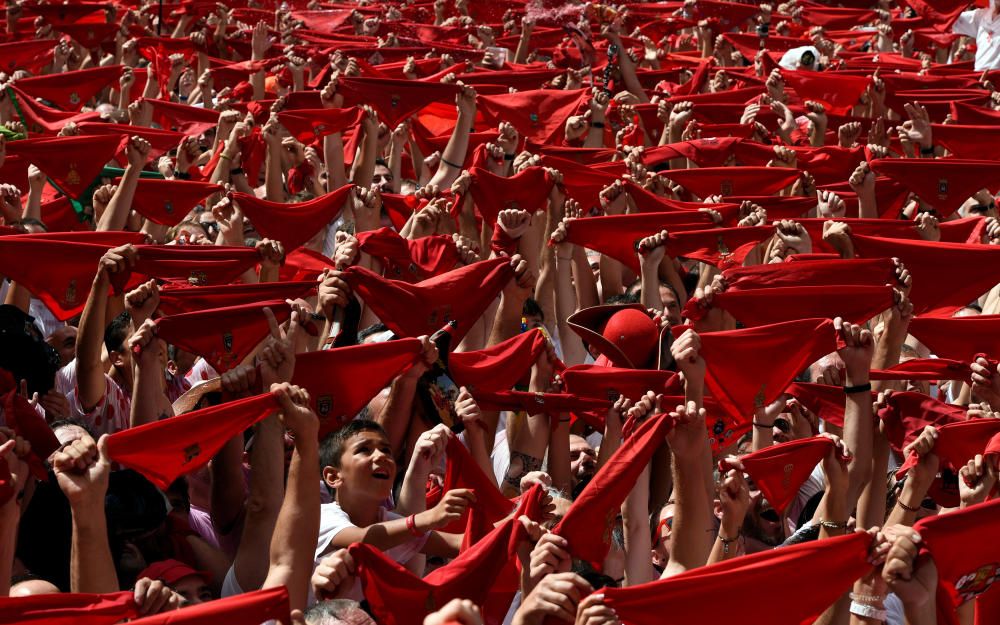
986	30
110	415
333	520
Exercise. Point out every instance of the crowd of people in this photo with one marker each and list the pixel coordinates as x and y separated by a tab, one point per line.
499	312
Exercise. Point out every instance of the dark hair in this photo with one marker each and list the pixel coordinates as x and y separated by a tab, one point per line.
116	333
532	309
331	448
623	298
381	161
24	352
374	328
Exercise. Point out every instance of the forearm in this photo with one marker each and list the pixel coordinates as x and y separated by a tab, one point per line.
267	464
523	47
294	542
454	152
833	507
691	539
116	214
90	339
91	567
611	277
727	544
507	320
364	162
333	156
10	515
397	410
396	166
149	403
763	430
638	543
273	179
33	208
650	297
559	460
565	296
413	492
610	442
227	499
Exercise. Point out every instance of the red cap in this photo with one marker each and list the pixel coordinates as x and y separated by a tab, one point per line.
624	334
172	571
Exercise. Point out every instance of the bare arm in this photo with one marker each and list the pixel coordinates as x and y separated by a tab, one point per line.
116	214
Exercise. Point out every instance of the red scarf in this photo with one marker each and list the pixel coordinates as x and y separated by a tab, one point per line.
491	506
165	450
737	384
71	163
250	608
587	524
70	91
959	338
462	295
293	224
935	290
69	609
407	259
308	125
395	100
500	366
907	413
779	470
686	597
943	183
222	336
706	181
196	265
168	202
175	300
527	190
342	381
539	115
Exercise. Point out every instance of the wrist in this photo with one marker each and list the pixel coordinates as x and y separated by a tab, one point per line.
422	522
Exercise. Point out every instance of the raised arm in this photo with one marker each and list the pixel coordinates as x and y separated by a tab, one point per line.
116	214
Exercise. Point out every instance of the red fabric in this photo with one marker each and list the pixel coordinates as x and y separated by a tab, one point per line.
168	202
924	369
303	264
610	383
71	163
165	450
839	93
400	207
63	281
69	608
222	336
293	224
706	181
31	426
686	597
463	472
527	190
712	152
943	183
722	247
907	413
398	597
779	470
969	113
958	443
197	265
407	259
176	300
963	572
856	271
70	91
617	235
41	119
757	307
250	608
827	164
587	524
551	404
461	295
826	401
940	13
500	366
29	55
959	338
394	100
648	202
837	18
539	115
307	125
342	381
160	141
190	120
735	382
967	142
932	265
956	231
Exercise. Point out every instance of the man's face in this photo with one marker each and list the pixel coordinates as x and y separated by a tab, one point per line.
63	341
194	590
382	179
366	465
582	458
671	307
763	523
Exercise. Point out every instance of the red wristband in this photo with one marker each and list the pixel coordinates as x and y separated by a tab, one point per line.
411	525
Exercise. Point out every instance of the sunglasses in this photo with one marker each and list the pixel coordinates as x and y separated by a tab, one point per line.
783	424
657	533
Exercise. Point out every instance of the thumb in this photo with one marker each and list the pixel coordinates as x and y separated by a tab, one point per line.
102	449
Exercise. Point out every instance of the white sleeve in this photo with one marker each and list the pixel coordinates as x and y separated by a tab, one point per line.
333	520
968	23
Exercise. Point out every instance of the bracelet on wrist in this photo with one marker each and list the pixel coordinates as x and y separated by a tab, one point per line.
902	505
869	599
182	175
597	124
858	388
868	611
763	426
225	156
834	525
509	157
727	541
238	171
411	526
